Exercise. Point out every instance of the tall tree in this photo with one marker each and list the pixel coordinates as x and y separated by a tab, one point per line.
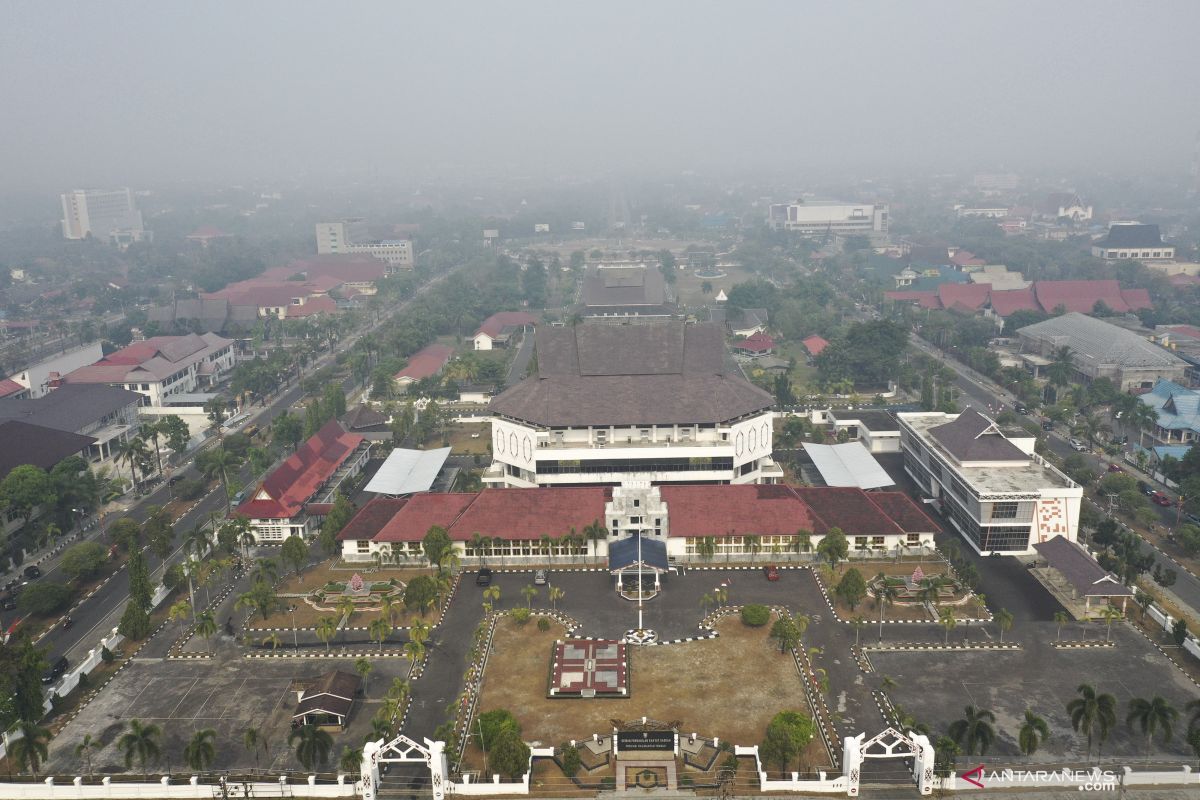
1034	731
25	489
1152	715
974	730
1092	713
312	745
833	546
201	750
32	749
140	743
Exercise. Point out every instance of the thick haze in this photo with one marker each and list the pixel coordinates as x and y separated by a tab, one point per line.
147	93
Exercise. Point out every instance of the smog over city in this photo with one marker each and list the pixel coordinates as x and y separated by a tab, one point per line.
578	400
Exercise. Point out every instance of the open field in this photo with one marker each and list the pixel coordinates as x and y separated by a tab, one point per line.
689	288
742	677
461	440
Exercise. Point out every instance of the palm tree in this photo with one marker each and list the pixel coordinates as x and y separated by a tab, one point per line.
151	431
887	684
351	760
32	748
1061	366
326	629
201	750
1109	614
858	623
217	463
1152	715
1092	713
885	594
947	620
1060	618
140	743
130	451
363	667
84	749
929	589
596	532
420	630
312	745
479	545
252	740
206	626
415	651
555	594
492	595
379	629
271	640
974	729
706	601
1004	621
529	592
1090	426
1034	731
1142	417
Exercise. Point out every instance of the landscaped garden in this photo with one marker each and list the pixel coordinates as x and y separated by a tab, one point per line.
907	591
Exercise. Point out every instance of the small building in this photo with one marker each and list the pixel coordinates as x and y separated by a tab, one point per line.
1178	413
106	414
1065	207
206	235
1076	576
749	322
1133	241
621	291
11	390
815	345
280	506
755	345
877	430
499	329
37	446
41	377
848	464
425	363
328	701
363	419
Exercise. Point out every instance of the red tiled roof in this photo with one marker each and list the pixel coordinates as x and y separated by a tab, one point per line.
531	513
757	343
965	258
314	305
1136	299
1079	296
848	509
923	299
1183	279
422	512
9	386
371	518
347	268
1184	330
903	511
969	295
426	362
738	510
285	491
496	323
1009	301
814	345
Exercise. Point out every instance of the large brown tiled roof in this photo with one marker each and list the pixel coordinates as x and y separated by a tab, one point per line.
631	374
974	437
1082	571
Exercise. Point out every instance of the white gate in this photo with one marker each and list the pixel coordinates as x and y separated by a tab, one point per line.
891	743
403	750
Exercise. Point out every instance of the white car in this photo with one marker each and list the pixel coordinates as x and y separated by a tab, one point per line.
1077	445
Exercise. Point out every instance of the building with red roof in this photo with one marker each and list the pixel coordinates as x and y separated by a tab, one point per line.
695	522
425	363
162	366
11	389
498	329
293	499
206	235
757	344
1046	296
815	345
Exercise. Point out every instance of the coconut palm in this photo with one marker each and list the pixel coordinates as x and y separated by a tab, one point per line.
363	667
706	601
312	745
379	629
1092	713
947	620
479	545
1152	715
1109	614
974	730
253	740
1004	621
555	594
415	651
326	629
271	640
529	592
84	750
885	594
140	744
201	751
929	589
351	760
179	611
420	630
596	533
206	626
1061	366
1060	618
858	623
1034	731
32	749
492	595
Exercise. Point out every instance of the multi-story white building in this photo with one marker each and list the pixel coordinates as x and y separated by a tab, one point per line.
349	236
38	378
655	402
1134	241
1000	495
105	214
163	366
818	218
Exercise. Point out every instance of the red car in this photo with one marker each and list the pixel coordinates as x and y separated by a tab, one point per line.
772	572
1161	499
1115	468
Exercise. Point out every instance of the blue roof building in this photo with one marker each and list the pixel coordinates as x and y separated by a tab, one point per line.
1178	409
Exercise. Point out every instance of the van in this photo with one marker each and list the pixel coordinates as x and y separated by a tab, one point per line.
55	670
32	571
250	430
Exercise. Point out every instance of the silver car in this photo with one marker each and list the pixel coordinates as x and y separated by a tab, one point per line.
539	578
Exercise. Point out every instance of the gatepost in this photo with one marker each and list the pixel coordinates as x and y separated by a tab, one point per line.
922	763
851	762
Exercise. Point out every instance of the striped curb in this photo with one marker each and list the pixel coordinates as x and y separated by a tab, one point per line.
1167	655
816	700
1081	645
886	709
916	646
355	654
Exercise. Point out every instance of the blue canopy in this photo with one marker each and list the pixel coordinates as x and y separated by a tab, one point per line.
623	554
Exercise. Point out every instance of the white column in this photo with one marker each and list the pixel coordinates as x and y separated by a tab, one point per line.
851	763
923	763
369	770
438	768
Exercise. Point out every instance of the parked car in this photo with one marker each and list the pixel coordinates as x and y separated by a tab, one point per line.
1077	445
1145	488
1160	499
772	572
8	601
1047	425
539	578
32	571
55	670
250	430
1020	408
484	577
1115	468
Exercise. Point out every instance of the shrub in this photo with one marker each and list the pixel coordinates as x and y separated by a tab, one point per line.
190	488
608	782
755	615
685	780
106	655
521	615
44	598
543	624
570	761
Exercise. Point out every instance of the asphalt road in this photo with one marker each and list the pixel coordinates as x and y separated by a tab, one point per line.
979	392
94	615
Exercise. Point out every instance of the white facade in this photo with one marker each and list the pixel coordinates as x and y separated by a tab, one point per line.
1002	506
101	214
483	341
1163	252
36	377
817	218
967	212
524	456
349	236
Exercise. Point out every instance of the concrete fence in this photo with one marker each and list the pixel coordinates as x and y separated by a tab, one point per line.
1190	645
165	790
819	785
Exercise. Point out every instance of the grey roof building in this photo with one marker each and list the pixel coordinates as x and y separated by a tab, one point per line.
105	414
1140	242
625	291
1103	350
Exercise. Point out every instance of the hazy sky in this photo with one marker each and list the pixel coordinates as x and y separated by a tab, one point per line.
120	92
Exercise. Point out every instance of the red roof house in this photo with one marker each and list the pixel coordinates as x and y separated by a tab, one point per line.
1082	296
1010	301
737	510
10	388
757	344
284	494
815	345
425	363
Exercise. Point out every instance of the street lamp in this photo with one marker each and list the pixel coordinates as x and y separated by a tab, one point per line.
295	636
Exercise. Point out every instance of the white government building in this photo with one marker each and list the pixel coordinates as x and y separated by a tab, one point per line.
995	490
350	236
818	217
659	403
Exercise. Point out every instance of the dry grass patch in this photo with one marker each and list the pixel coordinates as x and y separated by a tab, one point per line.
728	687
